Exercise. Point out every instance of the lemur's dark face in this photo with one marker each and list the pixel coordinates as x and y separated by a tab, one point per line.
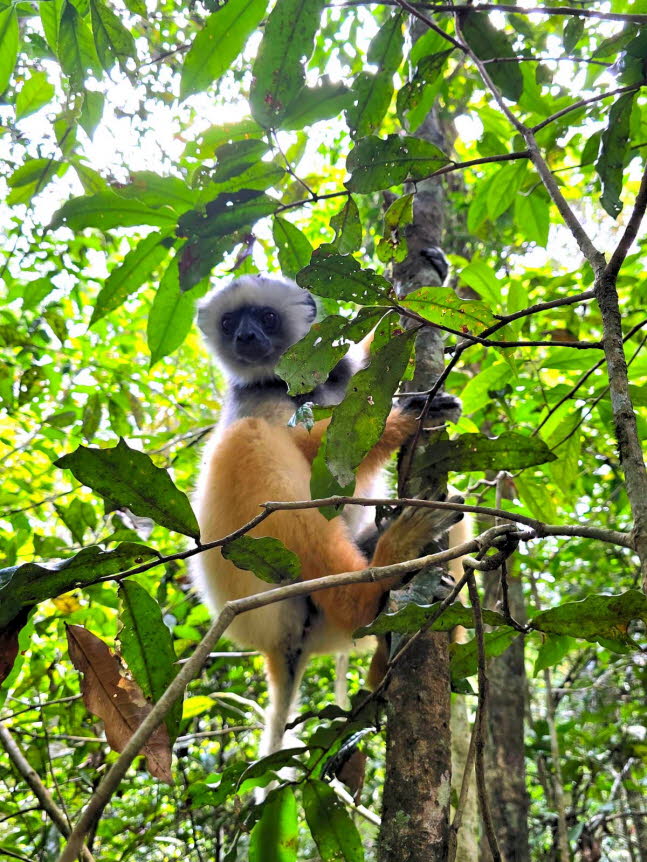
254	333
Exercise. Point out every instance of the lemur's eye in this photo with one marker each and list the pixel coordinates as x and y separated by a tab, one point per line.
270	320
226	323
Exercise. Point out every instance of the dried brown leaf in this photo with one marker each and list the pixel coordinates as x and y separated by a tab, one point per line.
117	700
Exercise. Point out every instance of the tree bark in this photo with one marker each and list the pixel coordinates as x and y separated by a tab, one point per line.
505	766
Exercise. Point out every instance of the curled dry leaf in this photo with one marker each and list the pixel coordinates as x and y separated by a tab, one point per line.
117	700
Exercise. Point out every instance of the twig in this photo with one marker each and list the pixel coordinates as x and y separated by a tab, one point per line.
479	721
583	379
462	798
39	790
582	102
413	10
191	669
631	230
574	11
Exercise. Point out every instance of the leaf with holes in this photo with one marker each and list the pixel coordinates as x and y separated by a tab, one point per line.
379	163
128	478
441	305
595	617
340	277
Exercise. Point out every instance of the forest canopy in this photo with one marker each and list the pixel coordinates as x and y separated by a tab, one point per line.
149	152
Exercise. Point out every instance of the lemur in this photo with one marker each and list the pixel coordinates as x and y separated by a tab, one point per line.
254	456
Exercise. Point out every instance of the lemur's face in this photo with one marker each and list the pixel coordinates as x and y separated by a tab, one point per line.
253	333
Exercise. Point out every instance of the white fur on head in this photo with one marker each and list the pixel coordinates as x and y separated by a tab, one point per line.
294	304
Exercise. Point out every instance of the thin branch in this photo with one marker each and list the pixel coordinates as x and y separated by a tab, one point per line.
413	10
582	102
192	668
462	798
631	230
540	306
56	815
593	256
583	380
574	11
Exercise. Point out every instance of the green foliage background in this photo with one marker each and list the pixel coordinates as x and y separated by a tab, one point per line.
144	147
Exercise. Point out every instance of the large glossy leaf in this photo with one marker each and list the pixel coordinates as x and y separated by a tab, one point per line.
128	478
226	213
25	585
109	210
9	36
594	617
156	191
309	362
379	163
615	141
371	96
347	227
267	557
509	451
275	835
171	315
35	92
330	825
75	47
441	305
114	43
131	273
292	246
340	277
313	104
278	73
220	41
357	423
489	43
147	648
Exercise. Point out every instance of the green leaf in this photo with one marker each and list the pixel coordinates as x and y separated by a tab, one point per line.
595	617
615	143
489	43
278	72
128	478
171	315
130	274
114	43
506	182
376	163
313	104
266	557
552	650
91	416
292	245
147	648
480	276
309	362
340	277
226	213
323	483
108	210
441	305
532	217
198	256
385	49
330	825
347	227
217	45
75	47
508	451
371	96
9	39
235	157
35	92
91	113
537	497
476	393
463	658
357	423
393	245
158	191
413	617
25	585
31	178
77	517
415	96
275	836
573	32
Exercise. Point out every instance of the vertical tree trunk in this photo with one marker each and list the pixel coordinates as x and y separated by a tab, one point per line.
505	767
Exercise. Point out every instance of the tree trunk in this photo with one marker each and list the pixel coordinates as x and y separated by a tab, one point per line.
505	768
